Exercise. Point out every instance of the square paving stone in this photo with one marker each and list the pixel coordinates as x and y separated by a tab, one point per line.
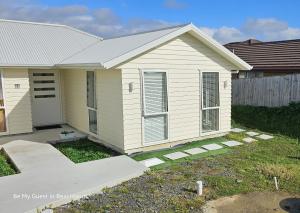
176	155
151	162
232	143
237	130
249	140
212	146
252	133
265	137
195	151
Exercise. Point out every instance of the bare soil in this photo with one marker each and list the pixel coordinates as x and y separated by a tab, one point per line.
255	202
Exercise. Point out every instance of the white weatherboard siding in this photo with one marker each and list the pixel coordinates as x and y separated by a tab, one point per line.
17	100
182	58
76	113
109	104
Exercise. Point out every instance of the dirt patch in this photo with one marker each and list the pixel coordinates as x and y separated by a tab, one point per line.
255	202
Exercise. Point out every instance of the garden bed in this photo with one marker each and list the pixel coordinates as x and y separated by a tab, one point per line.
6	167
84	150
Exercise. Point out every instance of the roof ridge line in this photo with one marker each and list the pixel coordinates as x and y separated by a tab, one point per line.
261	43
148	31
51	24
31	22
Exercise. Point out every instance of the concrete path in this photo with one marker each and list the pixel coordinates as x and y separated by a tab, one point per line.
48	178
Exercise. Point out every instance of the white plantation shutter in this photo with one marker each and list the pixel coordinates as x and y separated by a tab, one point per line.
155	106
210	101
155	128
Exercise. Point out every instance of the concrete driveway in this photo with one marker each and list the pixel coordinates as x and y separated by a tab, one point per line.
48	178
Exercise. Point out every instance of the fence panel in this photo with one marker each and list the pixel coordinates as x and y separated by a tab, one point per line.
267	91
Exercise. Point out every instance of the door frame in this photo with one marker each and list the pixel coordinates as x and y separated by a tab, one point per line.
202	108
58	88
142	71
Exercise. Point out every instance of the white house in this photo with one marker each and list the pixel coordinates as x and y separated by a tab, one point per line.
134	93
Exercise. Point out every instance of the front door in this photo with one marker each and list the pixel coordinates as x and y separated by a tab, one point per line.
45	95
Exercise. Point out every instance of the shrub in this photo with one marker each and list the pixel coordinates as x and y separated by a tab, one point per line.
280	120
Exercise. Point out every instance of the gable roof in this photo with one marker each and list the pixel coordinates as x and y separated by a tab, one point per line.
37	44
273	55
112	52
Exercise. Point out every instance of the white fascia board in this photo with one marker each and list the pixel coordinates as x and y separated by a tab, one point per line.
188	28
220	49
80	66
35	66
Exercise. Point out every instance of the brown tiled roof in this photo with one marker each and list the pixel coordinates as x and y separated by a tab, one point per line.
275	55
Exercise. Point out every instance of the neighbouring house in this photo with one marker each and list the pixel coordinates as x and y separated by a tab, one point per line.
134	93
267	58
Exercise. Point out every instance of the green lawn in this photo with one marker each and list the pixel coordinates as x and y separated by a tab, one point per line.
6	168
171	188
160	154
84	150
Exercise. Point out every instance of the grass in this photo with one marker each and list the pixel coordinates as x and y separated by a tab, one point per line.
6	168
84	150
243	169
160	154
278	120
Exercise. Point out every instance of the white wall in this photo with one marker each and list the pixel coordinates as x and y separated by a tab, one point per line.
74	99
181	58
110	113
17	101
109	104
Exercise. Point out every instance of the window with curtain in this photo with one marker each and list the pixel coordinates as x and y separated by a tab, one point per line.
91	101
155	107
210	101
2	109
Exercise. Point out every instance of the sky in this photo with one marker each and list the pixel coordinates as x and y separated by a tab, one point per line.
224	20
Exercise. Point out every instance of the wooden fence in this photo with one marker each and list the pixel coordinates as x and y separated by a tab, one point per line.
267	91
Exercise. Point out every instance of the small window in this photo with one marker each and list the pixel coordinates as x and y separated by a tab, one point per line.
44	96
43	74
91	91
44	82
44	89
93	121
91	101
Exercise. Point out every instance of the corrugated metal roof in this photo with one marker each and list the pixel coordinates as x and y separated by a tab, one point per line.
35	44
111	48
274	55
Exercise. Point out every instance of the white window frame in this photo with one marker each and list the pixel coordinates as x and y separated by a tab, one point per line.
95	102
4	105
142	71
207	108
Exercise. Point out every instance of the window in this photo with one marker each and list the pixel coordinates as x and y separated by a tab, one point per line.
2	109
91	92
155	107
210	101
91	101
93	121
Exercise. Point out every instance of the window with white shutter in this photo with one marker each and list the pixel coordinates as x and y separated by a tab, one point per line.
210	101
155	106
